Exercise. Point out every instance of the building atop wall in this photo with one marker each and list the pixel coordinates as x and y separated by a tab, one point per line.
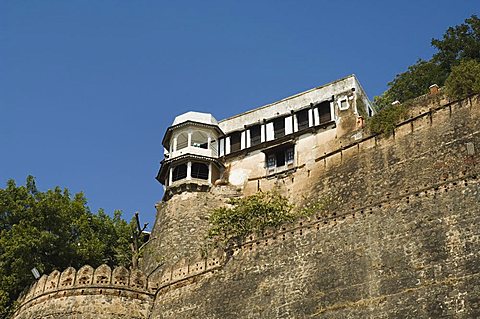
395	234
273	139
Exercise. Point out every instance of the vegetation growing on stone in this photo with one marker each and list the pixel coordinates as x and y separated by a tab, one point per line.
361	107
385	120
456	64
53	230
247	215
254	214
464	80
459	43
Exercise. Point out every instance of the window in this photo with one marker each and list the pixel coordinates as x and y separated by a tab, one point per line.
279	157
255	135
343	104
289	155
324	112
182	141
200	140
271	162
279	127
179	172
200	171
235	141
302	119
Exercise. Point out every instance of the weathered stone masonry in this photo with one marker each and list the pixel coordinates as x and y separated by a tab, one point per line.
89	293
404	245
402	242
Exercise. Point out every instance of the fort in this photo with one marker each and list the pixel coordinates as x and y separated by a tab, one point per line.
400	239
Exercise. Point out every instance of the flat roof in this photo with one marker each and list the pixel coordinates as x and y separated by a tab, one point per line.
287	98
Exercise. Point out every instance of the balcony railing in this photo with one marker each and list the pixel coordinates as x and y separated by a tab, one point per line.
213	152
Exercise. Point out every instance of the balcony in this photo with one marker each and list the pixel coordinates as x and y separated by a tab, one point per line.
196	150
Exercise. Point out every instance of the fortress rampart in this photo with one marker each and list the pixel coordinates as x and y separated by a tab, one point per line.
400	241
87	293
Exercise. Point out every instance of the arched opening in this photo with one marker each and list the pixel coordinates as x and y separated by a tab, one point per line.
179	172
200	139
200	171
182	141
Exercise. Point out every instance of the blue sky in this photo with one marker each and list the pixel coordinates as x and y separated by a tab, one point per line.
87	88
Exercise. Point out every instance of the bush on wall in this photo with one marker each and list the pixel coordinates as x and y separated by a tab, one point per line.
464	80
254	214
385	120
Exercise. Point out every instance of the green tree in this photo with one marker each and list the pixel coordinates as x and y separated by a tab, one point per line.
51	230
464	79
458	43
413	82
461	42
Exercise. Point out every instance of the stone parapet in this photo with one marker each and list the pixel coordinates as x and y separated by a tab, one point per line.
59	289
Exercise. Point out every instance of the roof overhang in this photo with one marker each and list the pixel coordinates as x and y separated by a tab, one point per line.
168	133
166	164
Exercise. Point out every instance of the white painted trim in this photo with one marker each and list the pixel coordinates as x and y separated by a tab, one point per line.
262	133
316	116
288	125
189	139
332	111
242	140
221	148
270	131
227	151
248	138
209	173
310	118
340	104
174	144
189	171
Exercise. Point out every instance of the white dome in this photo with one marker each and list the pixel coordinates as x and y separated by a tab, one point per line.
205	118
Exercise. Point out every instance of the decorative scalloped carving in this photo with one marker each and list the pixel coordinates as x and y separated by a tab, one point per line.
87	277
52	281
84	276
102	275
138	279
40	286
31	292
67	278
120	276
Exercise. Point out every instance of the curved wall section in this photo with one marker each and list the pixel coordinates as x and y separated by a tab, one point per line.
88	293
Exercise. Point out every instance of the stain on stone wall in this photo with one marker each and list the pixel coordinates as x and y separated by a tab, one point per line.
88	293
403	240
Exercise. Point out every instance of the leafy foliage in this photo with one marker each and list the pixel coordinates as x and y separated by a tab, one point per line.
361	107
384	121
253	214
52	230
464	79
412	83
459	43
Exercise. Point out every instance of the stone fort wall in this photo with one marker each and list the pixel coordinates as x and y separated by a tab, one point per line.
401	241
89	293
